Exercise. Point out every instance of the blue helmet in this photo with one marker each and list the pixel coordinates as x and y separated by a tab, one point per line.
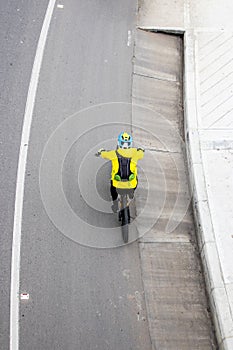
125	140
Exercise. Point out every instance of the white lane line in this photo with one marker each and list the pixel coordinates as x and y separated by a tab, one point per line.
16	241
129	38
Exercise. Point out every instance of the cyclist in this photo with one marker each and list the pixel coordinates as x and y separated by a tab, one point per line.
124	165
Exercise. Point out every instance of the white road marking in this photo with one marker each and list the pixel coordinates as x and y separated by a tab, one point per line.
60	6
16	240
24	296
129	38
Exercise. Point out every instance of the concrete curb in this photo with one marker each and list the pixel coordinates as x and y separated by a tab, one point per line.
216	288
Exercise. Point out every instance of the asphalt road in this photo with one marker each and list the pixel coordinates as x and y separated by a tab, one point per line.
20	26
80	297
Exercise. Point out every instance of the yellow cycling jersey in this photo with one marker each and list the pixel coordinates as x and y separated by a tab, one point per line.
134	154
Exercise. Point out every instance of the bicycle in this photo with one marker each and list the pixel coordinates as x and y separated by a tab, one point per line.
125	195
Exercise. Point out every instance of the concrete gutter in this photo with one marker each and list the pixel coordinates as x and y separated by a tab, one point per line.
208	109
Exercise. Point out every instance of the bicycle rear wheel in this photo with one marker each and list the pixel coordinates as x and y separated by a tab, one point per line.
125	224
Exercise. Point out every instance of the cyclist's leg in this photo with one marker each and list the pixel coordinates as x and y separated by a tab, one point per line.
131	194
113	192
114	195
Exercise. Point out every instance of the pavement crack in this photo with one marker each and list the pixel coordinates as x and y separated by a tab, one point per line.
161	150
155	78
166	242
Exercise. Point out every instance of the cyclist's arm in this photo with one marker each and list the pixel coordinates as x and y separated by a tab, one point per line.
140	153
108	154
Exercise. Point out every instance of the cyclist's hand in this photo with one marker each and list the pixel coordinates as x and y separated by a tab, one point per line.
99	152
140	149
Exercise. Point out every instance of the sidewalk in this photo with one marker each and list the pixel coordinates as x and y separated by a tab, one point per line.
208	103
